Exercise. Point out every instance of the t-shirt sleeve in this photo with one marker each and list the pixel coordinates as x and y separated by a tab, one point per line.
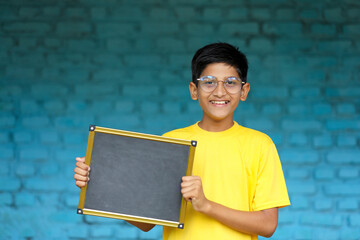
270	186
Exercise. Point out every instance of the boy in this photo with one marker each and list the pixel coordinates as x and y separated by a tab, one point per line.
237	184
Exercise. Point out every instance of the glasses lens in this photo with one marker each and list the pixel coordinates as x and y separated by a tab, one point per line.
232	85
208	83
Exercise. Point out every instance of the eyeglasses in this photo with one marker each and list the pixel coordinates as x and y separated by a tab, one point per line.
210	83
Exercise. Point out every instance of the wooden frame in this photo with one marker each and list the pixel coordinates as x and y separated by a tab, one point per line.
184	146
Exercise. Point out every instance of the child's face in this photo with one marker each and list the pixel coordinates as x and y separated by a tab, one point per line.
218	105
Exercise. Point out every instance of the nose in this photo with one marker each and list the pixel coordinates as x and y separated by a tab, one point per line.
220	90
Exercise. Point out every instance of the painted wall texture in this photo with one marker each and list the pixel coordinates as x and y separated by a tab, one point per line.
126	64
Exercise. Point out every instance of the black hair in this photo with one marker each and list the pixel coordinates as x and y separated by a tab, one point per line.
219	53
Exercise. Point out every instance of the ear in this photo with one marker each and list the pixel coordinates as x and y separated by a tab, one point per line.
193	91
244	91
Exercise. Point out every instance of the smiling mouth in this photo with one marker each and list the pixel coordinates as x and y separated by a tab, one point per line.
220	102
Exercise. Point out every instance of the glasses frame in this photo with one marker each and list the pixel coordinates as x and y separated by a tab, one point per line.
217	83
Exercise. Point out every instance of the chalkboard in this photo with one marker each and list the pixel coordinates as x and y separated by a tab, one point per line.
136	176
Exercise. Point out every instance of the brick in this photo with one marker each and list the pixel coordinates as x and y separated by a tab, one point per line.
271	108
342	124
125	122
129	232
9	184
293	45
301	187
54	106
143	91
172	108
124	106
83	45
127	14
261	45
96	89
73	28
64	216
270	92
75	12
27	27
301	125
309	14
25	170
339	189
185	13
73	121
349	204
334	15
143	60
101	231
161	14
298	173
306	93
6	151
259	124
323	141
118	45
346	108
36	121
236	13
298	109
98	13
24	199
167	28
322	204
344	156
324	174
49	137
4	137
7	121
22	137
346	141
77	231
33	153
328	220
47	90
6	199
284	13
323	29
239	28
298	139
351	29
260	13
299	156
355	220
349	173
300	203
322	109
289	29
168	44
45	184
51	11
342	92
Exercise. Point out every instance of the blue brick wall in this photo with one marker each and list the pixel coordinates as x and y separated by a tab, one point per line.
65	65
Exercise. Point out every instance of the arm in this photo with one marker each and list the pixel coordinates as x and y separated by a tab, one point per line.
261	223
82	177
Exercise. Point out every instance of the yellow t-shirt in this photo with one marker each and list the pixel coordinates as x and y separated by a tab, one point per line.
240	169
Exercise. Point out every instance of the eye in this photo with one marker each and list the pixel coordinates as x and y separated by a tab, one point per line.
232	82
208	80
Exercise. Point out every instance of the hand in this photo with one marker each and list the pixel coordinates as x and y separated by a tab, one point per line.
81	172
192	191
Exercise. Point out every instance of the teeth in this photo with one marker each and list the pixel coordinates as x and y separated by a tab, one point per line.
219	102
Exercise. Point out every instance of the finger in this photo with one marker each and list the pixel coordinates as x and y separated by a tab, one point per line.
190	178
80	159
80	184
81	171
83	166
78	177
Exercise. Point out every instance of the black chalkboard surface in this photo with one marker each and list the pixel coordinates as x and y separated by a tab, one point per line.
136	176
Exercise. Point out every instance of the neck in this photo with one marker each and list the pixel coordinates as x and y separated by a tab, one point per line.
216	126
